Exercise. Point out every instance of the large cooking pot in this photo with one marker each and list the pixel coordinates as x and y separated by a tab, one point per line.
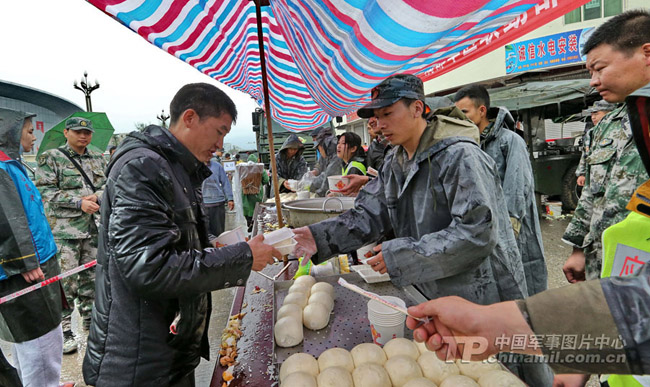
304	212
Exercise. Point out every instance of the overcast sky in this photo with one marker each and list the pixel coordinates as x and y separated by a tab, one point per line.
48	44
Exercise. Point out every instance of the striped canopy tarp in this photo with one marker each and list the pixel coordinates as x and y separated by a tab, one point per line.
323	56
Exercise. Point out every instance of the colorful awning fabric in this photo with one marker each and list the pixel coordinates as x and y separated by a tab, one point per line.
323	56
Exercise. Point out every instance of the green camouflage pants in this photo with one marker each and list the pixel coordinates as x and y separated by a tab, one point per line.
593	259
81	286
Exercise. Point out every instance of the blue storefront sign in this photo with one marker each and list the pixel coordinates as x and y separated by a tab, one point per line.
547	51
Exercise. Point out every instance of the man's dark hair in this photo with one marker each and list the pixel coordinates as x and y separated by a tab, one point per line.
624	32
409	101
477	93
205	99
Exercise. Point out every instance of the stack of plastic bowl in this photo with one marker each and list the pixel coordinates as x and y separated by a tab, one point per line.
386	323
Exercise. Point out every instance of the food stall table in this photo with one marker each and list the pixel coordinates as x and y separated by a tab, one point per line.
257	354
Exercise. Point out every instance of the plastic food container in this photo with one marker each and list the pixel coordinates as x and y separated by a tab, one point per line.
371	276
279	237
286	249
232	237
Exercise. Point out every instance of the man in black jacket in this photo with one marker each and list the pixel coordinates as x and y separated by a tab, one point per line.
155	266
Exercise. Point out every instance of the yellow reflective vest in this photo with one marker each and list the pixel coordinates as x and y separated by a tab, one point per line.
626	247
356	164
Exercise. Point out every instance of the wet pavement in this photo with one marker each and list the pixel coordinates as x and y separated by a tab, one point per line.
556	253
71	366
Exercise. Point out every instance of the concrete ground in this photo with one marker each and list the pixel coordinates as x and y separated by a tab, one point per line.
556	253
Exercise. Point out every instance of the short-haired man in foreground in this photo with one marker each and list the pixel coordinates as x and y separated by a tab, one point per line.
155	266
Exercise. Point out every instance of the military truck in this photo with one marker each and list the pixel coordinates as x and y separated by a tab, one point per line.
550	114
279	135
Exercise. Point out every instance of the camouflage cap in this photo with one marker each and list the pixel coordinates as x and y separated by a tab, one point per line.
78	123
391	90
601	106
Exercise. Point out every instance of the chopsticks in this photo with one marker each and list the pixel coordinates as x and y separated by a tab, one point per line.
378	298
275	277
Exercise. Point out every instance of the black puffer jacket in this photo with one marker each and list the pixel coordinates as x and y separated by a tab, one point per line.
153	263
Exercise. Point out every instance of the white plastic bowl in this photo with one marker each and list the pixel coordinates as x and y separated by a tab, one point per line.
337	182
232	237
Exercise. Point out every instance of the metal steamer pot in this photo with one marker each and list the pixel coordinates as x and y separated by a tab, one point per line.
304	212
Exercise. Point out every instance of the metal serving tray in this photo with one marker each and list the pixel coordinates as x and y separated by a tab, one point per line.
349	325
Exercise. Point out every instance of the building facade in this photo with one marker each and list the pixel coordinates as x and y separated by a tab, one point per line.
49	108
549	53
565	33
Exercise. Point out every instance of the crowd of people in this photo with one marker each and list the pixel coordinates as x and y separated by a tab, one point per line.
454	211
445	188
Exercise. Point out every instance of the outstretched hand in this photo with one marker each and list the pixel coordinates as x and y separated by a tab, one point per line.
306	244
262	253
462	329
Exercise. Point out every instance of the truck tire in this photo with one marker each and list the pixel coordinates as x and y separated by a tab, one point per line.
570	190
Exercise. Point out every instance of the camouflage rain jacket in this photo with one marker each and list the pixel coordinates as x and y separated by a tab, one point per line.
614	171
446	210
62	187
26	243
513	166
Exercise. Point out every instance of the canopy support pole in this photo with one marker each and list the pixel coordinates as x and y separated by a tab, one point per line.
267	110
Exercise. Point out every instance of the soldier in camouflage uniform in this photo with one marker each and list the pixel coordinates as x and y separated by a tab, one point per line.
72	205
613	171
597	112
